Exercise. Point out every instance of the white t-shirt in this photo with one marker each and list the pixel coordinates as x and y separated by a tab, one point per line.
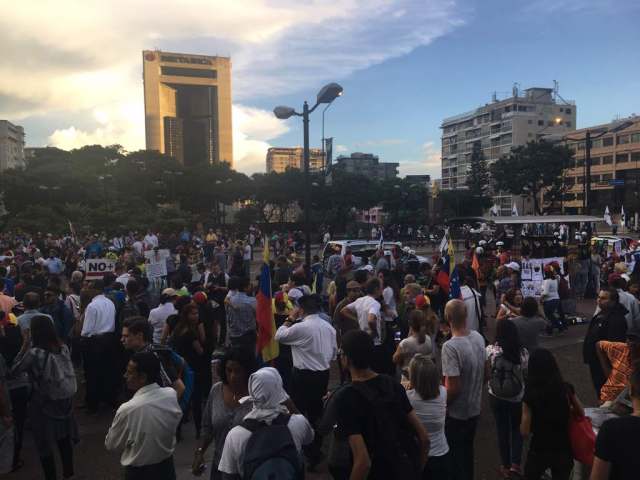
232	459
364	306
432	414
471	299
550	289
390	302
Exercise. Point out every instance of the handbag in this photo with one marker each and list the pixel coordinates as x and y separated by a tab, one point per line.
582	439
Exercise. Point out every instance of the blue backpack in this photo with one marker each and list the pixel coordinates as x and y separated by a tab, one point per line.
271	453
187	377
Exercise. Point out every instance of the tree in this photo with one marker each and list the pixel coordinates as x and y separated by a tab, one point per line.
478	175
532	169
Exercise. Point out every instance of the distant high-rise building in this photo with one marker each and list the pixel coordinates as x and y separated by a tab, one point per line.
11	146
281	158
368	165
498	127
187	103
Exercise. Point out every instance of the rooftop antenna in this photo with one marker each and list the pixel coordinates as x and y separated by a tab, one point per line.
494	97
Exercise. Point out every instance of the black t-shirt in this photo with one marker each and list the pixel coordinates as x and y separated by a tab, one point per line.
549	418
355	416
617	444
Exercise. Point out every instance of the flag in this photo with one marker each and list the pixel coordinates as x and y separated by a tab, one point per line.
607	216
266	345
475	265
454	280
623	217
514	210
447	277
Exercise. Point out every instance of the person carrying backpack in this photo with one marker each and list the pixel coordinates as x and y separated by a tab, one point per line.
386	438
268	443
507	363
47	361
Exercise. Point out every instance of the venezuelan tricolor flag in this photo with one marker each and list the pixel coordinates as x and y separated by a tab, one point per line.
266	347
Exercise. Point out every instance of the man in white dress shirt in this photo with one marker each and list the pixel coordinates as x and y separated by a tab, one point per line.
145	426
100	350
313	346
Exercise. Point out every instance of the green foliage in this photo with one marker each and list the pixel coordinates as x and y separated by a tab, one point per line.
460	203
533	168
478	175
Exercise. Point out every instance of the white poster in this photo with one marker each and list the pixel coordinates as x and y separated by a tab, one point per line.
97	267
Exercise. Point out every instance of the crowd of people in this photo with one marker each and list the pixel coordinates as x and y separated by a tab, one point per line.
382	366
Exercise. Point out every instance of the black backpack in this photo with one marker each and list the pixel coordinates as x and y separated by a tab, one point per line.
271	453
507	378
391	441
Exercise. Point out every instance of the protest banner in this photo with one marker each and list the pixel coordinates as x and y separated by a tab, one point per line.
97	267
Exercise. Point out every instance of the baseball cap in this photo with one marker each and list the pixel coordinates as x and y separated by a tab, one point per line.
200	297
169	292
513	266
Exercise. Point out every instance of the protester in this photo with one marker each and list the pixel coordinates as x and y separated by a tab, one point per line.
313	347
471	298
31	303
511	306
188	340
241	314
551	301
616	455
617	360
50	409
367	311
223	411
375	416
529	324
145	426
100	347
428	397
62	317
547	405
507	361
418	342
463	366
261	436
608	324
158	316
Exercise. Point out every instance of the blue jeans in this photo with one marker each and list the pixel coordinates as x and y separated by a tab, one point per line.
507	415
554	314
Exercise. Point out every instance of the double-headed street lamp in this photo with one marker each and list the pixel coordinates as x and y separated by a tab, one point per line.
326	95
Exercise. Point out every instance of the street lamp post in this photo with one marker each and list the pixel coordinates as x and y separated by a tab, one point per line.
327	94
324	153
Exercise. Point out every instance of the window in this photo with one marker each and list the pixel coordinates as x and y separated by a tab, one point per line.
595	160
570	181
607	141
607	176
580	196
561	109
635	138
623	139
635	157
622	158
188	72
595	178
567	110
607	160
540	123
580	162
596	143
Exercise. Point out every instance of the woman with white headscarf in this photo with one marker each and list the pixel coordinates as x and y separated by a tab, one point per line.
268	398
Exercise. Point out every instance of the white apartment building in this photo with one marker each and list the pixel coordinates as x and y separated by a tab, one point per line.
11	146
498	127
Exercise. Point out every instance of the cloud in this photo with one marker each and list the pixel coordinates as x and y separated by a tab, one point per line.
430	163
79	56
569	6
383	142
340	149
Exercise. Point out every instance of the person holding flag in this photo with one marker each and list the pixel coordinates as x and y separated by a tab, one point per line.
447	277
266	345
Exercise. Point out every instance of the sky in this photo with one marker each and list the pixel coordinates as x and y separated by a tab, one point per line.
71	70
